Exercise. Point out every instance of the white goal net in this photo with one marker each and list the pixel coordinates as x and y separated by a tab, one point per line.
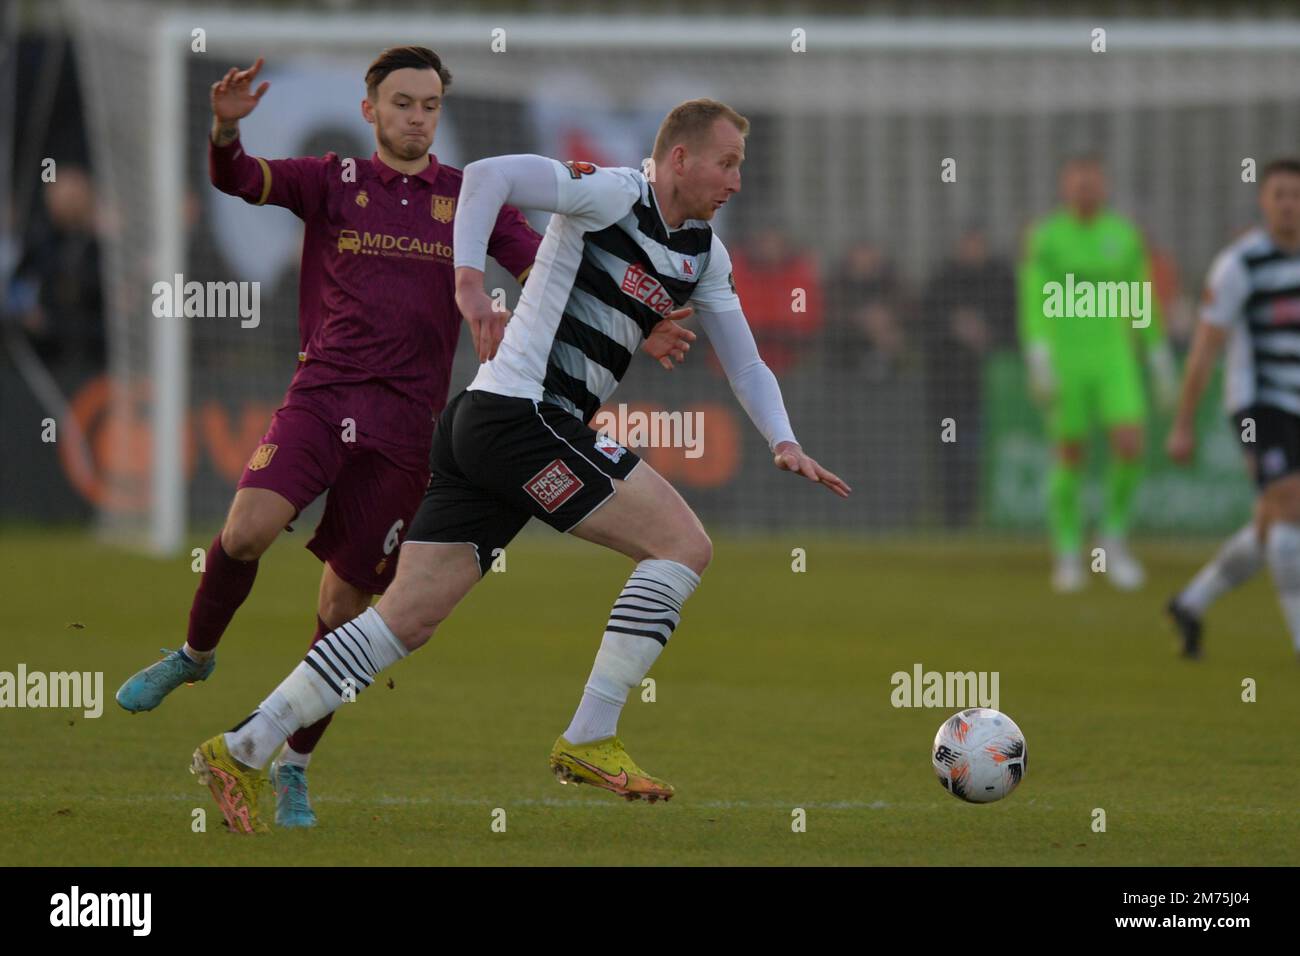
845	199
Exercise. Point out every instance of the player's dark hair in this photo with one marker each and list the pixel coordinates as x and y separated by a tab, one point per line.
1285	166
402	58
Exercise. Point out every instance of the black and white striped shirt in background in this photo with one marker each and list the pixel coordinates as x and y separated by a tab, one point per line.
1253	291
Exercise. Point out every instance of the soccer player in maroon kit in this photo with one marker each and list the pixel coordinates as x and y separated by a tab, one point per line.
378	325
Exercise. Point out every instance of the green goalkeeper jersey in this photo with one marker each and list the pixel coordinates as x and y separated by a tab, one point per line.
1076	319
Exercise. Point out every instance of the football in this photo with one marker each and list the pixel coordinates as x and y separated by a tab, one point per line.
979	755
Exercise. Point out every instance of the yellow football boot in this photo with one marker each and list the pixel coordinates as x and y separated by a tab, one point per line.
604	763
234	786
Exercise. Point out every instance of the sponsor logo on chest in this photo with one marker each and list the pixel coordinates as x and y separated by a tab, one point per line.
645	288
367	243
404	237
1280	311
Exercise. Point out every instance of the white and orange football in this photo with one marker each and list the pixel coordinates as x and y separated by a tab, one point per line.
979	755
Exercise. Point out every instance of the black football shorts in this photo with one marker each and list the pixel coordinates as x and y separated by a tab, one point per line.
1275	451
496	461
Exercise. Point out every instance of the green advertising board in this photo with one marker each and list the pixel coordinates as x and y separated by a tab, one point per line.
1213	495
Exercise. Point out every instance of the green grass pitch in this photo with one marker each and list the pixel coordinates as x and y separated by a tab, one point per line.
773	695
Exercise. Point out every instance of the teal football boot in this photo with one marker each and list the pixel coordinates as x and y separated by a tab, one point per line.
146	689
292	808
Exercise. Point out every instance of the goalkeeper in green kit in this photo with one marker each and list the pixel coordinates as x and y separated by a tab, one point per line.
1085	299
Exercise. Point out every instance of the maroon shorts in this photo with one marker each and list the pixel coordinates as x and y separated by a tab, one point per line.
371	499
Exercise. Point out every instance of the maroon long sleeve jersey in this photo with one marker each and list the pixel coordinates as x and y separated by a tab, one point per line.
377	315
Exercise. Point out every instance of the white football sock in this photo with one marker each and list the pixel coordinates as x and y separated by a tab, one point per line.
643	618
290	756
1237	561
198	657
254	741
594	719
1283	550
338	667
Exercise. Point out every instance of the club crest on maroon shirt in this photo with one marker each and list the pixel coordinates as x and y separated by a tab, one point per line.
444	208
262	457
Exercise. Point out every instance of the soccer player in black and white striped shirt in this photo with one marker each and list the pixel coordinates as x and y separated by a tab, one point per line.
1252	303
623	250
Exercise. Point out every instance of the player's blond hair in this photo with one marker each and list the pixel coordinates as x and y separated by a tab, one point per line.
688	123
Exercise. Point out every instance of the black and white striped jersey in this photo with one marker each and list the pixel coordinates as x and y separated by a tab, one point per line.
608	270
1253	290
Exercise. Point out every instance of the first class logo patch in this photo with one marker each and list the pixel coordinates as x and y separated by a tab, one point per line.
444	208
553	485
262	457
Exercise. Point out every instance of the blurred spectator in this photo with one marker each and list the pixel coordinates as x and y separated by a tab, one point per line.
769	273
10	250
868	305
227	346
64	315
968	313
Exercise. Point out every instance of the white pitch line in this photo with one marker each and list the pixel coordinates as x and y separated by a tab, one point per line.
426	801
600	803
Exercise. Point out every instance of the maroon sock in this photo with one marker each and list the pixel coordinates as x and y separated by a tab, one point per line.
305	739
225	584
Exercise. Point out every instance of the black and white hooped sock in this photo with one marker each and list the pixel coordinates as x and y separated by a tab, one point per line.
640	624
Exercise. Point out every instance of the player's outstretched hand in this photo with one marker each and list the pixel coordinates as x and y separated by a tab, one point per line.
1181	444
668	341
790	457
487	321
232	98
